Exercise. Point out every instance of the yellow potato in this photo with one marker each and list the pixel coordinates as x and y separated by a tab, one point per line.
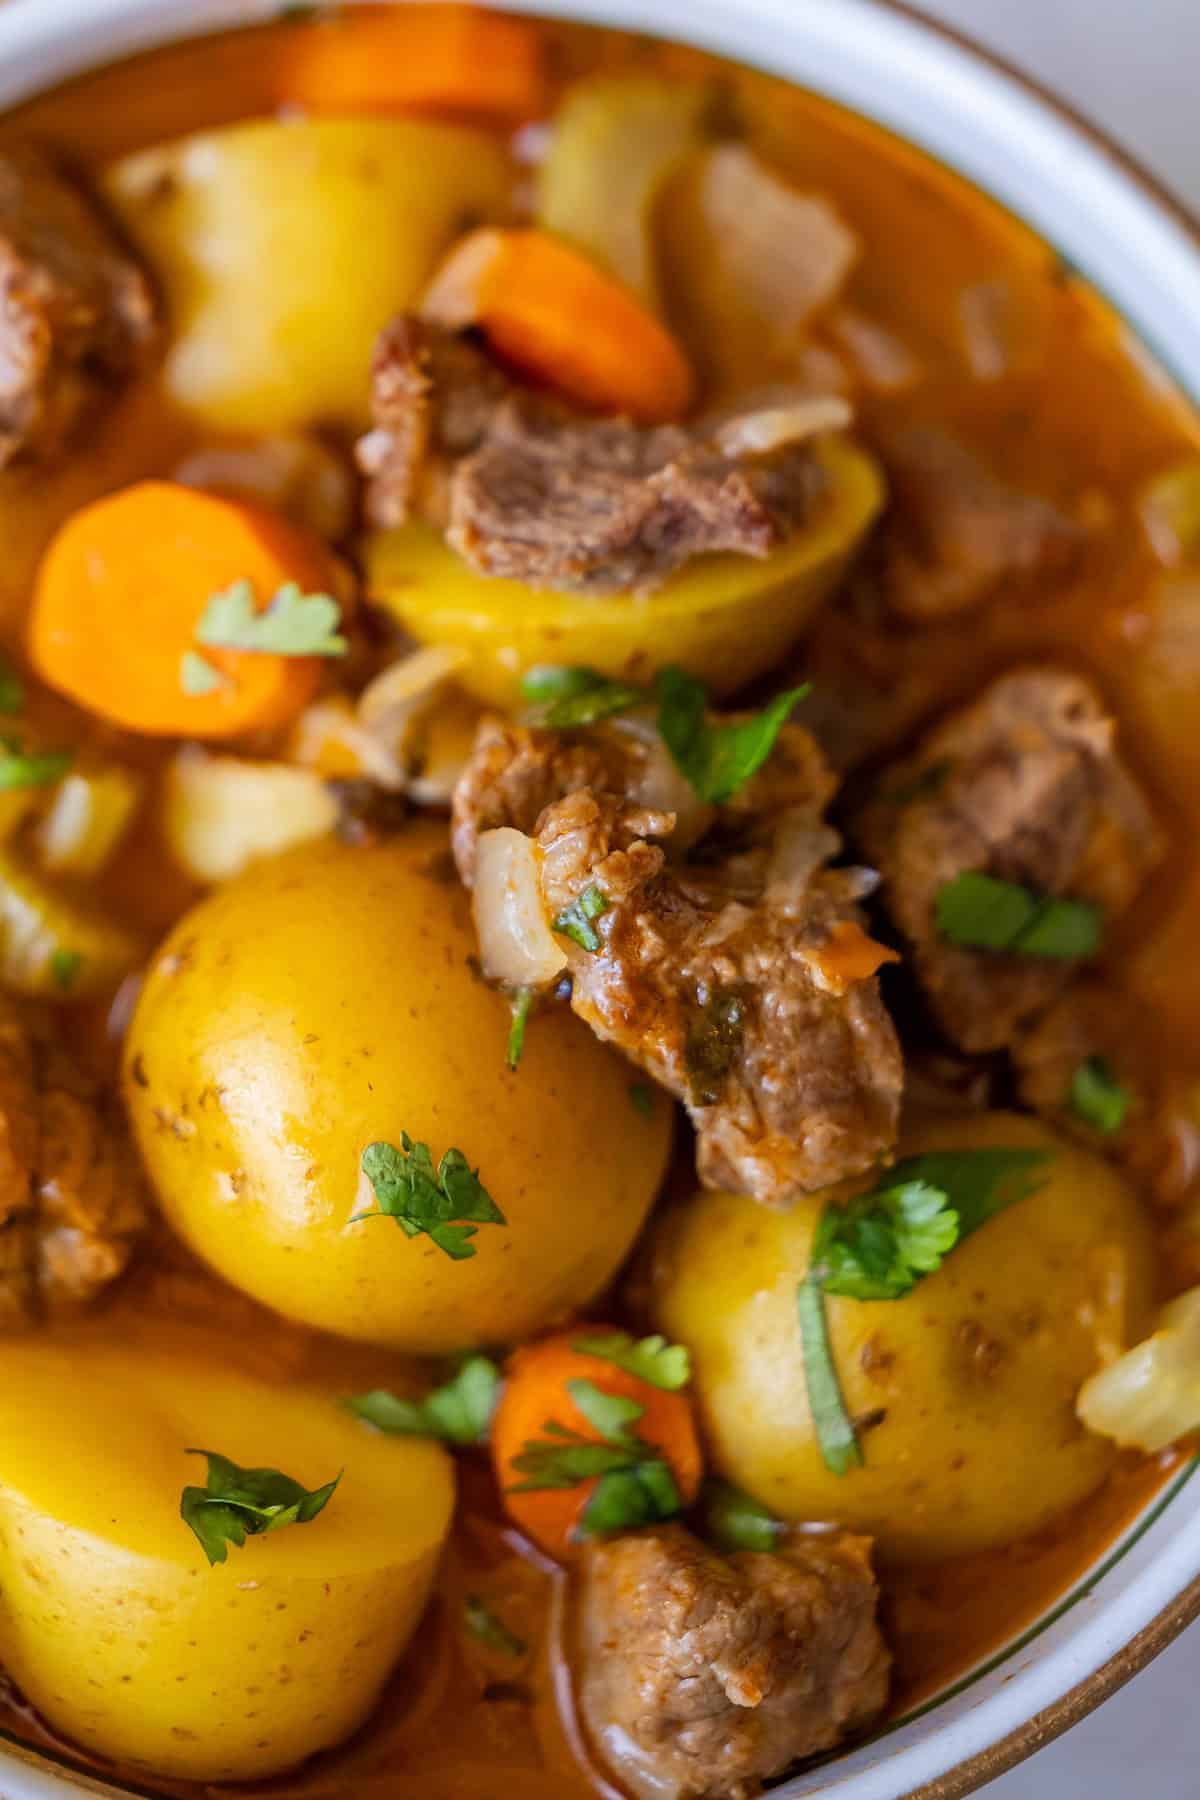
327	1000
724	618
113	1623
284	246
969	1381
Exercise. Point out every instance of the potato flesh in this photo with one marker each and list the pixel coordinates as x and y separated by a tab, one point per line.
224	1673
285	246
966	1387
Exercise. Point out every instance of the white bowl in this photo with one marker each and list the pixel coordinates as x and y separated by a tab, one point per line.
1133	244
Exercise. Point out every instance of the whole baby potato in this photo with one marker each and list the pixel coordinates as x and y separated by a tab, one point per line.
113	1623
963	1391
328	1000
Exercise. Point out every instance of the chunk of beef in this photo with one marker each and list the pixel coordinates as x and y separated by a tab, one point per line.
72	1199
529	490
1025	785
738	978
76	312
957	533
702	1677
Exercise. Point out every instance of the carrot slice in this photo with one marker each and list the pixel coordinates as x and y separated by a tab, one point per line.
555	316
536	1394
441	59
124	585
848	955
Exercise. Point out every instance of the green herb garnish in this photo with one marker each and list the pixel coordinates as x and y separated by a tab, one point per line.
575	920
733	1521
522	1006
712	1044
12	688
64	967
292	624
880	1244
651	1359
982	913
31	769
575	697
198	676
239	1503
458	1412
634	1485
483	1624
440	1203
1097	1097
716	759
641	1099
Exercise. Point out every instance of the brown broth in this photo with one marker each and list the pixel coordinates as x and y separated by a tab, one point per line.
1081	419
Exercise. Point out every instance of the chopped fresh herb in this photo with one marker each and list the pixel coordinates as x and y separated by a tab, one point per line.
711	1046
458	1412
421	1200
574	697
879	1245
1097	1097
522	1006
12	688
198	676
651	1359
239	1503
836	1439
983	913
483	1624
292	624
733	1521
64	967
641	1099
634	1485
716	759
30	769
575	920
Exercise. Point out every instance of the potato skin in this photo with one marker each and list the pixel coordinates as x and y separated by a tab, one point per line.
210	1674
974	1373
326	1000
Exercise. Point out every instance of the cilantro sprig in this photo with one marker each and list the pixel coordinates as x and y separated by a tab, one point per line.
735	1521
1097	1097
634	1484
881	1243
651	1359
574	696
980	912
522	1006
447	1204
238	1503
459	1412
293	623
490	1630
21	768
575	919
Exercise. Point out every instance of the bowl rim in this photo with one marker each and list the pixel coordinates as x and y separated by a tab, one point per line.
104	31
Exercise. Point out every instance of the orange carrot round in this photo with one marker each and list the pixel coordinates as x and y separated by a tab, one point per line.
555	316
540	1407
416	58
122	592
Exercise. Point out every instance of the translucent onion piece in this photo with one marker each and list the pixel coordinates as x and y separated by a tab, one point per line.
881	360
1151	1395
516	945
771	428
221	813
91	811
55	947
1169	508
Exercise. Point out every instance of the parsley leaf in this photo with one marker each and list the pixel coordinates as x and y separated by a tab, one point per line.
651	1359
877	1246
293	624
716	759
239	1503
459	1412
634	1485
483	1624
420	1200
836	1437
983	913
575	697
198	676
522	1006
575	920
12	688
977	1184
29	769
734	1521
1097	1097
64	967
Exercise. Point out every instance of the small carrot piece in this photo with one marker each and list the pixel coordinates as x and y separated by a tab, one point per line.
536	1394
428	59
555	316
124	585
848	955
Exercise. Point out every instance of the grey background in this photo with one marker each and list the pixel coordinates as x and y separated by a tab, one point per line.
1134	67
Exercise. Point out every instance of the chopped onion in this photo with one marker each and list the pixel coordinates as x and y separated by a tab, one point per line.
882	361
803	844
221	813
772	428
516	945
91	811
1150	1396
985	310
1169	508
661	787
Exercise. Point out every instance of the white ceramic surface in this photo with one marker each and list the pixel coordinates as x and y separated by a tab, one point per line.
1088	204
